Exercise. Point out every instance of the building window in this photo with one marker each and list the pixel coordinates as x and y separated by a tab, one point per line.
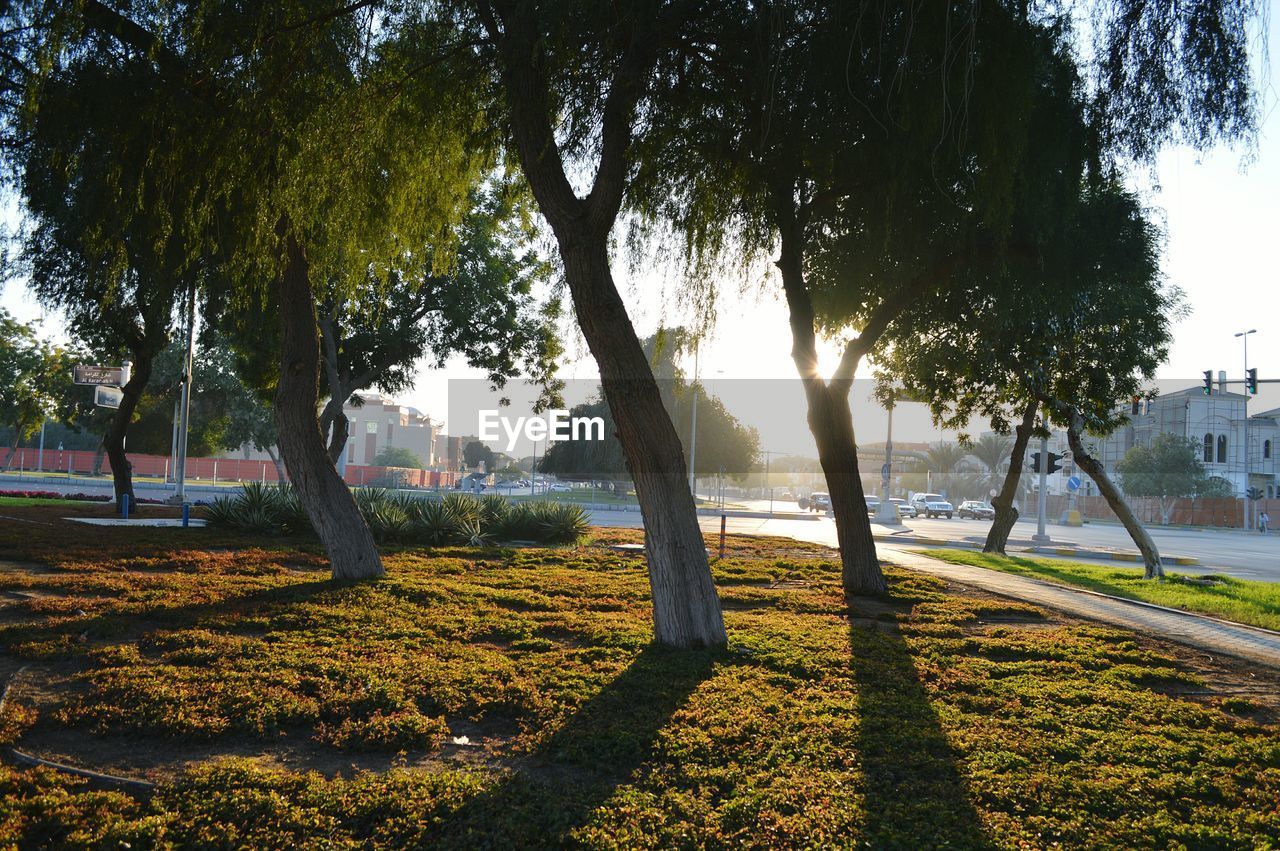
1222	449
1208	449
1266	449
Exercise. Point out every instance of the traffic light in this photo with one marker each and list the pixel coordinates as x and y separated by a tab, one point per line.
1035	462
1208	381
1054	466
1251	381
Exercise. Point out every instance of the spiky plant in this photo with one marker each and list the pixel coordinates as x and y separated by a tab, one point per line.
223	513
562	523
434	524
464	506
292	515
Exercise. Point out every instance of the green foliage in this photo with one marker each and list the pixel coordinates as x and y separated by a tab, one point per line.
35	378
927	718
398	456
1241	600
1167	468
407	519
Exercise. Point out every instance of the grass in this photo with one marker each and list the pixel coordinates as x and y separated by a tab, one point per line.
278	709
1239	600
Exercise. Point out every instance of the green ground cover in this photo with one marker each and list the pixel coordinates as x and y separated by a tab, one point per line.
1239	600
277	709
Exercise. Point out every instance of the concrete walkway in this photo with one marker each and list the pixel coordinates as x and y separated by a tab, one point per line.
1205	634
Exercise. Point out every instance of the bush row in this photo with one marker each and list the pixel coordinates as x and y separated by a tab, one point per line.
406	518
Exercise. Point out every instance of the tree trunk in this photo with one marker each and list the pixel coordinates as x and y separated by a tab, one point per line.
281	477
98	456
114	440
1006	513
339	429
831	421
686	609
329	504
1115	499
13	450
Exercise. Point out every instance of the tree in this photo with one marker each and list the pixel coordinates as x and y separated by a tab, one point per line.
318	151
590	65
724	444
33	374
105	243
475	454
1166	470
398	456
993	452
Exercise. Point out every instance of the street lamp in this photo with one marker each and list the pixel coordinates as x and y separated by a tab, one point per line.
1244	337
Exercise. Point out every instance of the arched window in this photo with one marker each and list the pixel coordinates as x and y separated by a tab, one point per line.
1266	449
1222	449
1208	449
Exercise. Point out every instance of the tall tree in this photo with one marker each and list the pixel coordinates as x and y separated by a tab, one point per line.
587	67
1165	470
320	151
33	375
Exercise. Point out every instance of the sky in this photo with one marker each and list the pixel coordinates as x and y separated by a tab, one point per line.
1221	212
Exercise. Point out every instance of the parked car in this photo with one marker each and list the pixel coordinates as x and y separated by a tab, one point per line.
977	509
873	504
559	487
932	505
905	509
819	501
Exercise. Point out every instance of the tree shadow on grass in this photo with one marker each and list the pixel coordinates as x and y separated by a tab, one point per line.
914	795
578	768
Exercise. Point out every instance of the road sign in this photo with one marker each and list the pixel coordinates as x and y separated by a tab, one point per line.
107	397
1074	483
110	376
884	471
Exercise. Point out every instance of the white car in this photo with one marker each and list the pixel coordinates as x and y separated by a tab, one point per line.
932	505
905	509
559	488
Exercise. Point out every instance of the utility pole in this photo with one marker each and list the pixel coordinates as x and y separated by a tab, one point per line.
180	473
1249	504
1041	536
887	513
40	455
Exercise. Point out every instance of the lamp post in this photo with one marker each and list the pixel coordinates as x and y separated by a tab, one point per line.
693	430
1248	512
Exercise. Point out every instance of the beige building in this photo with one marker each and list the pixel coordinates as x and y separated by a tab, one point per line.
379	423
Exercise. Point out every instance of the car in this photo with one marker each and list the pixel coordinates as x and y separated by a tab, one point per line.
977	509
559	488
819	501
932	505
873	504
905	509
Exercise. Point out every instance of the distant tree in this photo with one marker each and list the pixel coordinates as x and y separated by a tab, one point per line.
475	454
33	377
1166	470
398	456
992	451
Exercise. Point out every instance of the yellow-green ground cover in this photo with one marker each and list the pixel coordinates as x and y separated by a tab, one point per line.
276	709
1239	600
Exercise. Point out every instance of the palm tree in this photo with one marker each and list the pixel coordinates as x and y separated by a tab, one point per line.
992	451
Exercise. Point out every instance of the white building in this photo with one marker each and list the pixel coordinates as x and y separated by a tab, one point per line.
1216	422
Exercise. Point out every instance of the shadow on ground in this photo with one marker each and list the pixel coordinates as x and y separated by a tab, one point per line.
578	768
914	794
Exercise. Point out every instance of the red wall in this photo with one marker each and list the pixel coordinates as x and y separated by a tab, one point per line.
223	469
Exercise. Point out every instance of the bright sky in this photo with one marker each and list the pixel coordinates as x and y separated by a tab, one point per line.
1222	216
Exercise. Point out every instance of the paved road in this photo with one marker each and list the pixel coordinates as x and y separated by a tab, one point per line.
1247	556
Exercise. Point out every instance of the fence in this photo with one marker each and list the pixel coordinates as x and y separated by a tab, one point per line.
81	463
1228	512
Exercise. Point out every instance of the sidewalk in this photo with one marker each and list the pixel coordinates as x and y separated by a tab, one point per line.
1058	548
1202	633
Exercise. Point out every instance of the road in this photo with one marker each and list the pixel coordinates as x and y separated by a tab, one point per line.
1240	554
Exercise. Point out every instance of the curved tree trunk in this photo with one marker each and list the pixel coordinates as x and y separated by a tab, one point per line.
329	504
114	440
1006	513
831	421
99	456
1115	499
339	429
686	609
281	476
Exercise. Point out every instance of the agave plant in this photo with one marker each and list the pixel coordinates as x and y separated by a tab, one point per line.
433	523
292	515
473	535
562	523
259	497
464	506
493	510
388	522
223	513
